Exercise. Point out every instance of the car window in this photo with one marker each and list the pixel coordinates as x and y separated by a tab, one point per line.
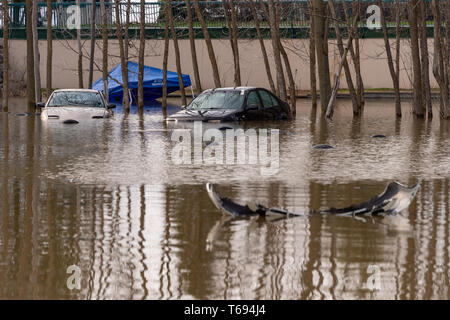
76	99
217	100
253	99
274	100
267	99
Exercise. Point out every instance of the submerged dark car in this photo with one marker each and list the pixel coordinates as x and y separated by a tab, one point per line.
234	104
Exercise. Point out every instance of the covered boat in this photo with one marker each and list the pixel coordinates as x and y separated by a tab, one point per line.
153	83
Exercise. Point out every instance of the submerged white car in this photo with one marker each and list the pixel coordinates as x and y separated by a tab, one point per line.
75	105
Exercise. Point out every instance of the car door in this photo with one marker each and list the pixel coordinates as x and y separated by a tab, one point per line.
107	112
253	107
272	110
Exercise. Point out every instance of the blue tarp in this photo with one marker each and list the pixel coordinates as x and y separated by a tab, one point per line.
153	82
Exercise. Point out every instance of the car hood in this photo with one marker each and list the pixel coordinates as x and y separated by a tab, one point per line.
204	115
73	113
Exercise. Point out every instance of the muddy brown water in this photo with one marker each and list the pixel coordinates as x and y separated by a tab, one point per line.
107	197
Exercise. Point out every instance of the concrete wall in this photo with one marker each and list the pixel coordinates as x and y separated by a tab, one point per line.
374	67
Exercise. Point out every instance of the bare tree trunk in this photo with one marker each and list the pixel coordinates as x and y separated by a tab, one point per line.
198	85
80	53
235	44
357	59
126	28
439	58
398	109
123	60
417	76
330	106
141	59
424	58
49	47
281	84
37	68
31	93
287	65
209	46
104	49
355	52
292	93
177	53
230	38
284	56
92	55
263	47
312	62
267	15
5	96
320	36
437	35
435	66
447	36
165	61
392	71
354	96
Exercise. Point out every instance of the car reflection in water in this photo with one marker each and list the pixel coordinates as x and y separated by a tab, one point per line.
75	105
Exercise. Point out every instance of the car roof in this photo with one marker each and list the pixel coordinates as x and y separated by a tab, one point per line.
80	90
232	89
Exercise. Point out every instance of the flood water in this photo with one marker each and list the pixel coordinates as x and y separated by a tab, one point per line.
107	197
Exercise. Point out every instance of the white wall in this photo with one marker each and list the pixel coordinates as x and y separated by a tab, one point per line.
374	66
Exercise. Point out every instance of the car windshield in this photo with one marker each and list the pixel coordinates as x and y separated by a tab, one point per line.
76	99
217	100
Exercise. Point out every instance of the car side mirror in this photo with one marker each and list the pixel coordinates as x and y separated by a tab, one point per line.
111	106
40	105
252	107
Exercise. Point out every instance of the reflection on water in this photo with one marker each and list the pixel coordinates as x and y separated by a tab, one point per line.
106	197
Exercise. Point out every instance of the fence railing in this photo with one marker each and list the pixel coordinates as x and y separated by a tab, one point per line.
292	14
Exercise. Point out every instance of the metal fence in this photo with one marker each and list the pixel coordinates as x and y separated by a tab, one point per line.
292	13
